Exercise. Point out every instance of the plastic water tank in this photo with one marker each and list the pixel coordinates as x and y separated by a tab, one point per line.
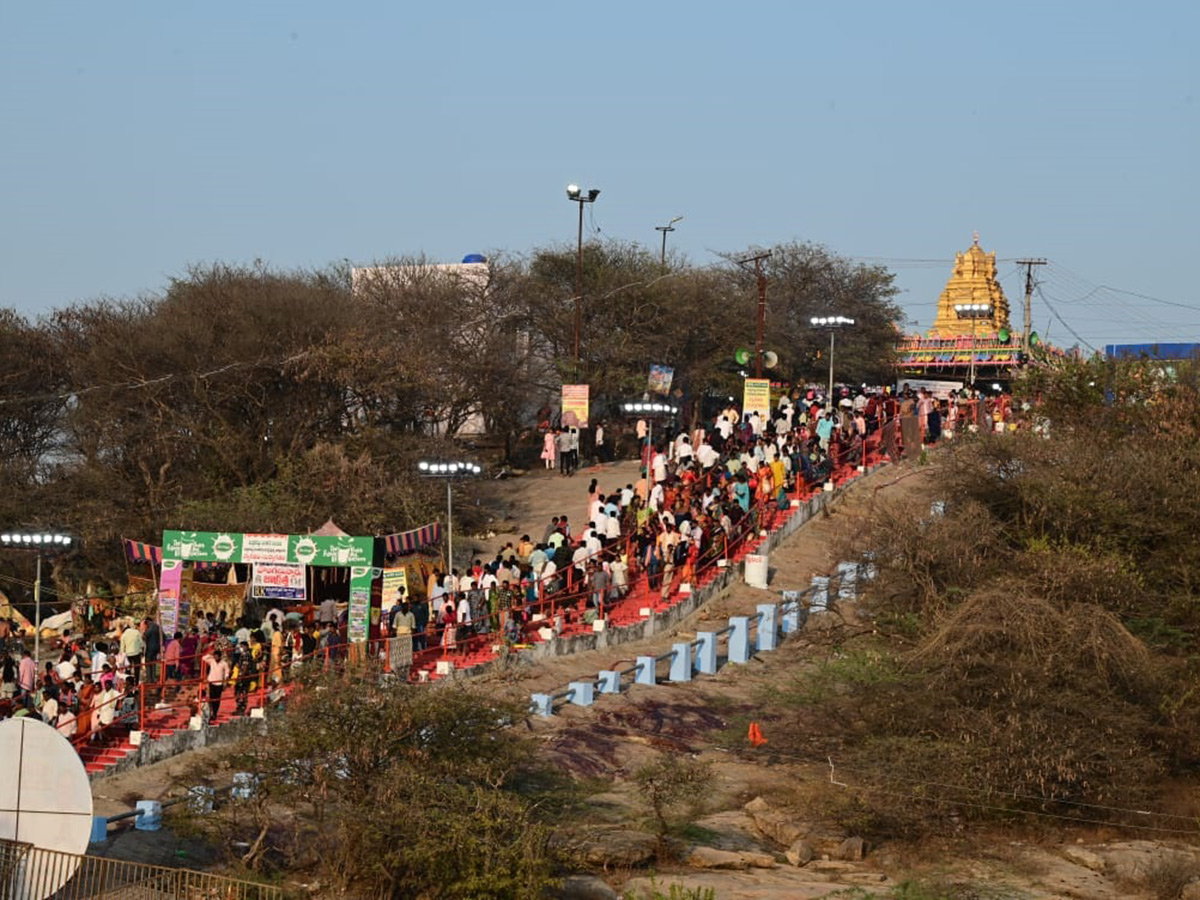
756	570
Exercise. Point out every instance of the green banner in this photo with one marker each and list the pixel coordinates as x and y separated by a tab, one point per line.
302	549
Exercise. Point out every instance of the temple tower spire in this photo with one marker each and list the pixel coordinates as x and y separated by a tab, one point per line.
972	281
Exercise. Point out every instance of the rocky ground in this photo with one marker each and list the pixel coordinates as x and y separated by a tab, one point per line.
753	837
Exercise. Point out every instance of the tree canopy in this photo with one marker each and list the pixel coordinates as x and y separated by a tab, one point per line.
246	398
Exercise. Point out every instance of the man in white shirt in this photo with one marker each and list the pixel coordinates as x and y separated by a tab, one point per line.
724	427
49	711
99	658
657	495
683	448
579	556
659	467
612	527
437	600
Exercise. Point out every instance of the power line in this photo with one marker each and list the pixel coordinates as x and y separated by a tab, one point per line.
983	792
1063	321
143	383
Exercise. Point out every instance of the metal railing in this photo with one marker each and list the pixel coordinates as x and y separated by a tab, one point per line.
33	873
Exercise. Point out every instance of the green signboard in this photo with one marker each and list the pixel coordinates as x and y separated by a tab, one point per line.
303	549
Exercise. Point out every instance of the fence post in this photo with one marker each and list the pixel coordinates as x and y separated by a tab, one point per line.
610	681
768	627
583	693
848	583
790	620
646	673
706	653
739	639
543	705
681	662
820	597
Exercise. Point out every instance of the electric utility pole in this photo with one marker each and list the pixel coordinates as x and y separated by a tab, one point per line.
762	306
1027	330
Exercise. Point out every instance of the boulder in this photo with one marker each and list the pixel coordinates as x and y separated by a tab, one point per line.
619	849
710	858
775	825
800	853
831	866
757	805
1133	860
1081	856
585	887
851	849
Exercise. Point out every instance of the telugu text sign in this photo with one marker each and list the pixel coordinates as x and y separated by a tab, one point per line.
278	581
756	396
264	548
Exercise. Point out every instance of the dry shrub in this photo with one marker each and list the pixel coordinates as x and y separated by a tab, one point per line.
924	561
1170	874
1007	703
998	626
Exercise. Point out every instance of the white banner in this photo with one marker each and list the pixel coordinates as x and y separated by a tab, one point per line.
278	581
264	548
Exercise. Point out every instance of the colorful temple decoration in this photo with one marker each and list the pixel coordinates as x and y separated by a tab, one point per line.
946	350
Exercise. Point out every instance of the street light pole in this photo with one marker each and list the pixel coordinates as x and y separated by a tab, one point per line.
649	411
449	526
448	471
670	226
37	615
833	323
42	544
974	312
832	332
575	195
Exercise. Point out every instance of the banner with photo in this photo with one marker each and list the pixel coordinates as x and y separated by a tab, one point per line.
395	586
575	405
660	380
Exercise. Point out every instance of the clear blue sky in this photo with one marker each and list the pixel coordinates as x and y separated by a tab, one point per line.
141	137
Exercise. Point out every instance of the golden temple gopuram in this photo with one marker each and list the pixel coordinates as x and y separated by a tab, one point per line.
973	281
962	343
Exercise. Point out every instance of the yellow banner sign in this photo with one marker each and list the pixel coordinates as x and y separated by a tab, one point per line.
756	396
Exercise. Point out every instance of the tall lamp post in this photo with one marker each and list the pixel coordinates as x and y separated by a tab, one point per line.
974	312
42	543
833	323
649	411
575	195
449	471
666	229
